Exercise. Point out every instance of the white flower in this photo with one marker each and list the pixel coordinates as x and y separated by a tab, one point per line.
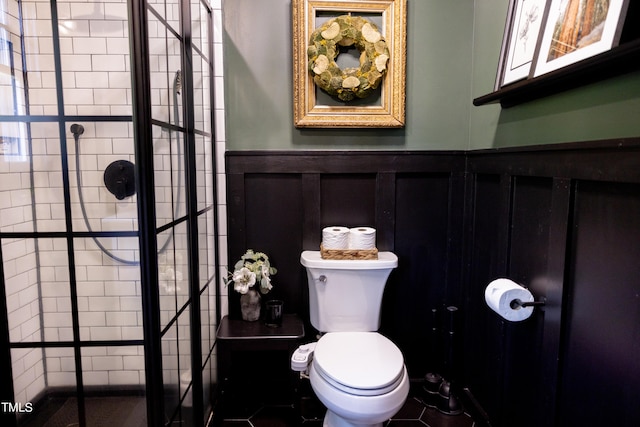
265	282
243	279
251	269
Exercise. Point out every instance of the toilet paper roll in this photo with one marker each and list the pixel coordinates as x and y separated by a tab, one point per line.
362	238
335	237
499	296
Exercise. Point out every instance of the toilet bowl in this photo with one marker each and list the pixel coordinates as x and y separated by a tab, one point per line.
360	377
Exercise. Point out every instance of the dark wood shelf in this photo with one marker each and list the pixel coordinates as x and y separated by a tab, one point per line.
620	60
236	329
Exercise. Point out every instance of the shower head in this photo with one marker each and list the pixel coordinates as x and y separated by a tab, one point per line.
177	82
77	129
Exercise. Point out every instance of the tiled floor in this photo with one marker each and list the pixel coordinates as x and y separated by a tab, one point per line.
413	414
103	411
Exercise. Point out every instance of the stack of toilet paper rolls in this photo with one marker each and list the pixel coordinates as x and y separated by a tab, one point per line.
348	243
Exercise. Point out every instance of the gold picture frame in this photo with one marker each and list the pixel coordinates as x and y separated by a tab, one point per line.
313	108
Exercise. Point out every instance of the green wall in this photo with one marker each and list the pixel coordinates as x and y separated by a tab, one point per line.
259	81
452	55
602	110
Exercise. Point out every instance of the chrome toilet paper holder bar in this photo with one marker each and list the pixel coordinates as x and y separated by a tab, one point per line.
517	303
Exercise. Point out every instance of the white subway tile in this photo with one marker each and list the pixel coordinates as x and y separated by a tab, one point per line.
120	288
55	320
55	289
95	351
90	45
67	363
31	327
117	46
121	318
119	80
218	91
113	28
96	110
106	333
132	333
91	289
122	110
13	302
95	378
20	382
108	62
57	379
107	363
116	10
130	303
99	272
92	319
81	10
66	46
104	304
28	295
124	377
111	129
63	304
85	334
43	96
108	96
124	351
133	363
75	62
92	80
66	334
53	364
218	61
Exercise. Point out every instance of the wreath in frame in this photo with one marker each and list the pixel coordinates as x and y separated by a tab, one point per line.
343	32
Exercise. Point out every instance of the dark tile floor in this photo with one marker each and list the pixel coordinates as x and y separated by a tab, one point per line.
103	411
413	414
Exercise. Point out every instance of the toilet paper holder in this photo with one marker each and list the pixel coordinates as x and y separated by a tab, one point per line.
517	303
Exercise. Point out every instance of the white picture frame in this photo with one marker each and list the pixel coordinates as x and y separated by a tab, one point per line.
520	39
553	53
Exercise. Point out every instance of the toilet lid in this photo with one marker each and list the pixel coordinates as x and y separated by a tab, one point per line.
365	363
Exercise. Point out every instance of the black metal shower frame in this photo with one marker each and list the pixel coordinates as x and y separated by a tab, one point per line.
146	234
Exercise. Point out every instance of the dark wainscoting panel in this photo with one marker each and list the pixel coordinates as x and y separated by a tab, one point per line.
279	202
562	220
420	281
483	357
600	367
274	214
347	199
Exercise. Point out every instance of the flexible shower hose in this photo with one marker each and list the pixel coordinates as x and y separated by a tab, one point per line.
77	130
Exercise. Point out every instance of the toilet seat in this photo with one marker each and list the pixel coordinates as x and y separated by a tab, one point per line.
359	363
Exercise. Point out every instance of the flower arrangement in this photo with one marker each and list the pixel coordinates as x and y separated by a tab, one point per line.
252	268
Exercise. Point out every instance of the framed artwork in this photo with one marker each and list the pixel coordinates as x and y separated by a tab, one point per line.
349	60
524	20
578	29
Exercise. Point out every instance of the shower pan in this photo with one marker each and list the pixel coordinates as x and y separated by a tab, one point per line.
108	230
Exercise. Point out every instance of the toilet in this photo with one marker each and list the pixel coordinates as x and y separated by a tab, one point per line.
357	373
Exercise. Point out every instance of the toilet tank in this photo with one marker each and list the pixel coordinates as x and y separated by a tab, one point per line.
346	295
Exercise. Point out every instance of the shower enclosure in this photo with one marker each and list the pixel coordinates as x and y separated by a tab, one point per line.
108	231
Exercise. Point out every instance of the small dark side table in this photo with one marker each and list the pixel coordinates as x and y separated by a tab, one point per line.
254	359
